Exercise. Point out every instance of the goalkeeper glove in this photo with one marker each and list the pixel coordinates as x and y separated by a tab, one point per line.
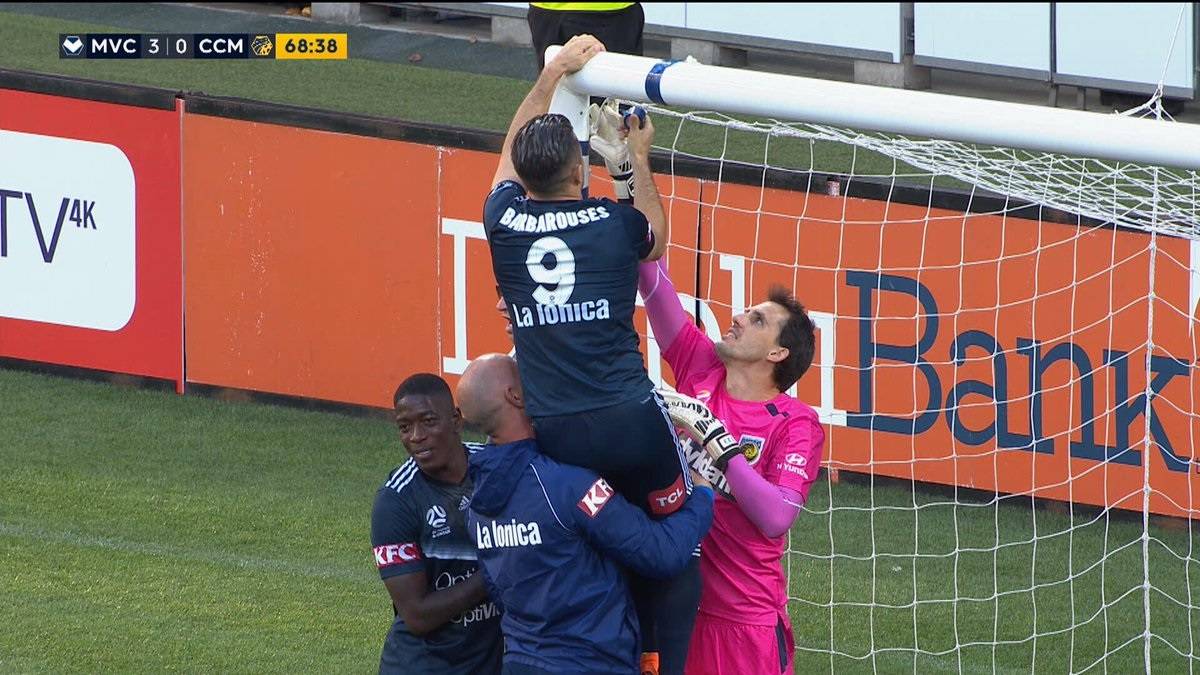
698	422
605	123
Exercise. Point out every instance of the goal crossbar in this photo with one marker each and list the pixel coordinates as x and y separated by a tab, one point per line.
918	113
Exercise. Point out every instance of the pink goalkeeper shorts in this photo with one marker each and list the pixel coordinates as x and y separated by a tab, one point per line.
720	647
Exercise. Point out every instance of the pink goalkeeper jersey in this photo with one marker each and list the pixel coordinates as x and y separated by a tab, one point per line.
743	575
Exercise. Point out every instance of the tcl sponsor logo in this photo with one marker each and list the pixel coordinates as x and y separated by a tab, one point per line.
668	501
396	554
595	498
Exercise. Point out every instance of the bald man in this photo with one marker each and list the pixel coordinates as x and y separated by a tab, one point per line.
552	539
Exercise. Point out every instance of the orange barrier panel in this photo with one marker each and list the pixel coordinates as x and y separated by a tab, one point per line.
311	260
332	266
986	352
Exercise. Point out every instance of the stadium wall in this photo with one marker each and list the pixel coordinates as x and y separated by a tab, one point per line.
327	256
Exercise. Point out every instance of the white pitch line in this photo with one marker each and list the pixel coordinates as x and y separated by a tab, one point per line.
192	555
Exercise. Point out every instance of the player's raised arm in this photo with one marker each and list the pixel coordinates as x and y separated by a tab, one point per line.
578	51
658	549
645	194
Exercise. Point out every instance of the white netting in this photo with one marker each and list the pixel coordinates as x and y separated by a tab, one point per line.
1128	195
991	321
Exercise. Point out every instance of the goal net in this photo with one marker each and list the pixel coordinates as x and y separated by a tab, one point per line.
1005	369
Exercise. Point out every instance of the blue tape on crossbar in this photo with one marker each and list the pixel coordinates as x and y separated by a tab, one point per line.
654	81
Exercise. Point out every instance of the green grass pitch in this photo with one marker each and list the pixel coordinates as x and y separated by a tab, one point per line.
144	531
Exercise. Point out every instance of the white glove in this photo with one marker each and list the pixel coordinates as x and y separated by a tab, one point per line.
700	462
698	422
605	124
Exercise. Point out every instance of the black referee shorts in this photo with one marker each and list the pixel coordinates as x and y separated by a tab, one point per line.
633	445
620	30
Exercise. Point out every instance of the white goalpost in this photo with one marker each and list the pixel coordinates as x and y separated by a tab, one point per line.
694	85
1006	300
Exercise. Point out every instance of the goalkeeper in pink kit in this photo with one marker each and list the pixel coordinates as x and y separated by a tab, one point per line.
743	624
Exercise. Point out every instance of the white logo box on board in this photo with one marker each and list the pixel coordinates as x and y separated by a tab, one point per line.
68	232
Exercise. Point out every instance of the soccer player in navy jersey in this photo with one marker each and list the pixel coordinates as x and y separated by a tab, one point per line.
444	622
567	267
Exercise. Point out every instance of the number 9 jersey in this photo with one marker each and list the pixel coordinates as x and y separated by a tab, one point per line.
568	273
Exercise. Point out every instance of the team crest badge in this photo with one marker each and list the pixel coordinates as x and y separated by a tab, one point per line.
751	447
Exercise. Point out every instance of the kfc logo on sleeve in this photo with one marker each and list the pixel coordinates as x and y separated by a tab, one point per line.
595	498
396	554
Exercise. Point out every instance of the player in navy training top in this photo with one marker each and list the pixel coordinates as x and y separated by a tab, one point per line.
551	536
567	269
444	622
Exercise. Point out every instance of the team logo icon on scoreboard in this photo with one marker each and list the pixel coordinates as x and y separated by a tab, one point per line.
262	46
71	47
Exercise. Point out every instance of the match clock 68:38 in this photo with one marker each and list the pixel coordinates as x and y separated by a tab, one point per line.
311	46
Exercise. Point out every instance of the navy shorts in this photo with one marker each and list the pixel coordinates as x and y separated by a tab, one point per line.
633	445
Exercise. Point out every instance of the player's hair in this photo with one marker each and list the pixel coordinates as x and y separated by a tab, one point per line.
424	384
544	151
798	335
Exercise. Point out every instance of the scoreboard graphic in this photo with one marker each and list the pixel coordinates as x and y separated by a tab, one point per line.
278	46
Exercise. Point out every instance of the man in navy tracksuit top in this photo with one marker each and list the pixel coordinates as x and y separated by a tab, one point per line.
551	538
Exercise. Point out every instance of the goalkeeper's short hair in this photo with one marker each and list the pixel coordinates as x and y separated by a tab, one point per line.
798	335
544	151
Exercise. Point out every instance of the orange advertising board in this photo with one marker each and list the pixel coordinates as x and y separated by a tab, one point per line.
311	260
983	351
977	350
